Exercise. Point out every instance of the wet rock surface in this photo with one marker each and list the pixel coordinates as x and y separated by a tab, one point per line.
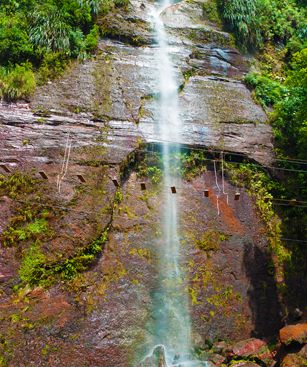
102	111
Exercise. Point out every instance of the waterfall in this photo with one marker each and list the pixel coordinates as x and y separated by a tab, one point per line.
172	327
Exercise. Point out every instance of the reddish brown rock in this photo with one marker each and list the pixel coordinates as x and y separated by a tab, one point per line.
296	333
217	359
252	347
221	347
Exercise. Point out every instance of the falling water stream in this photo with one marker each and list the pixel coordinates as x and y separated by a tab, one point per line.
172	327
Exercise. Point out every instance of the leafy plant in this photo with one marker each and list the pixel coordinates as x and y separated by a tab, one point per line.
267	91
91	40
211	11
256	21
53	65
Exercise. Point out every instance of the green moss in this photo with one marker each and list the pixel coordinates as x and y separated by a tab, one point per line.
17	184
35	270
31	269
102	104
29	223
210	240
207	35
141	252
219	298
38	226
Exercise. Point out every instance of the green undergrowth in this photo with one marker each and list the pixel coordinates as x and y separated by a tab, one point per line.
275	31
20	231
286	92
17	82
266	91
39	39
35	270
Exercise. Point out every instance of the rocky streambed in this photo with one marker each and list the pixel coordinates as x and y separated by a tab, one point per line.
96	245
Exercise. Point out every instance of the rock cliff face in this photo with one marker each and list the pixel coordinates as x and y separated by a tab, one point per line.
102	114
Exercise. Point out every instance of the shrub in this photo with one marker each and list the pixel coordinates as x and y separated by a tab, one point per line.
17	83
289	119
255	21
53	66
91	40
15	45
210	11
267	91
280	19
77	44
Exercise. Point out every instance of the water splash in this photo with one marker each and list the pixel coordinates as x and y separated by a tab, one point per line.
172	326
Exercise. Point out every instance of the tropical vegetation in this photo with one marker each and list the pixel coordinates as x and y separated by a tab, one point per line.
38	40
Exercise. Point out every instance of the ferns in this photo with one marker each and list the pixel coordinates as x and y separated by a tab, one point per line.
49	30
241	17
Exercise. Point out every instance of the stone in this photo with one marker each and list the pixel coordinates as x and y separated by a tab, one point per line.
217	359
294	360
293	333
244	364
303	351
221	347
156	359
252	347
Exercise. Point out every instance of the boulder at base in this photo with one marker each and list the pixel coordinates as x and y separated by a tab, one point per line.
293	333
245	364
294	360
252	348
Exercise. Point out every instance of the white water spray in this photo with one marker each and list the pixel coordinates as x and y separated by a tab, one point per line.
172	327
